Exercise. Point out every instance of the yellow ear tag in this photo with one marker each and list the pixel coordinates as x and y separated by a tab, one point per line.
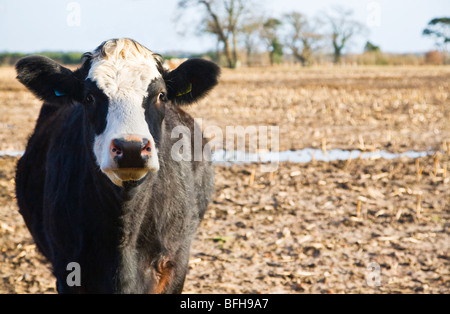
187	91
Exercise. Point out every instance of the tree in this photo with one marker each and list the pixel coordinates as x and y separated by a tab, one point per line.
439	28
434	57
342	28
302	38
222	19
249	33
276	52
369	47
269	33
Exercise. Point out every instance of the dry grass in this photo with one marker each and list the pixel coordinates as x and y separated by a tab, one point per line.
19	110
383	107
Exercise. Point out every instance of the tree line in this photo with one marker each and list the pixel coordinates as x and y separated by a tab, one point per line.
241	25
10	58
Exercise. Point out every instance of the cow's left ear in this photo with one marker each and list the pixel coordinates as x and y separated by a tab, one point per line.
47	79
192	80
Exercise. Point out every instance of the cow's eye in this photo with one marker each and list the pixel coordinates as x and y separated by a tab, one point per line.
162	96
90	99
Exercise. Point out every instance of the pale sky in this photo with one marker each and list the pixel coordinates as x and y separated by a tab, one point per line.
48	25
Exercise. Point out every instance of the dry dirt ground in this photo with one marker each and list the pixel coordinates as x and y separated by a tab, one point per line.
352	226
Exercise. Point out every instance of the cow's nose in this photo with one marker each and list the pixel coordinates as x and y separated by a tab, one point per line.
131	152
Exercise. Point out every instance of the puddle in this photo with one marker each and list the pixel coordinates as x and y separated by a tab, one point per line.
299	156
307	155
13	153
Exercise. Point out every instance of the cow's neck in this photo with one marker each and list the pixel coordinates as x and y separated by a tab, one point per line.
128	277
132	213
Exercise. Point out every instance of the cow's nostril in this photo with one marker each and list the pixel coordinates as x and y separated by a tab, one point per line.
147	145
116	147
116	151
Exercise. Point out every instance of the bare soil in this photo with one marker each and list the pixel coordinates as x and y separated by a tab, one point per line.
305	228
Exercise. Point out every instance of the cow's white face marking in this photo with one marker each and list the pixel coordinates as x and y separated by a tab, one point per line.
123	72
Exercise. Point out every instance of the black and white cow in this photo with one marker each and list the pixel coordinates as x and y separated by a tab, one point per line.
97	184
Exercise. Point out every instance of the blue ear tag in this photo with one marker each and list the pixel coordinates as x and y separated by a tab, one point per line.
58	93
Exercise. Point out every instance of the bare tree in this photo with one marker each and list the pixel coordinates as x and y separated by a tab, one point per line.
342	28
207	26
302	37
222	18
249	33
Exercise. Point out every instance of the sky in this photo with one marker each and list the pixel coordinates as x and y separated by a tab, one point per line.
59	25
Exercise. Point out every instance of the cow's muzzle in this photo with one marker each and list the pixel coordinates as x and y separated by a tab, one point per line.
130	156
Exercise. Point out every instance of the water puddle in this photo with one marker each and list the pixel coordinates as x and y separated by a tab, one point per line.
13	153
307	155
298	156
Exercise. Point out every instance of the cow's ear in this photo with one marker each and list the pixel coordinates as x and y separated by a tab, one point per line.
192	80
47	79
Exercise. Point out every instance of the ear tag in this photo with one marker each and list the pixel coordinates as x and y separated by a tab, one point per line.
187	91
58	93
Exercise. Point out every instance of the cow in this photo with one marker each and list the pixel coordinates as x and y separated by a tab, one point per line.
98	185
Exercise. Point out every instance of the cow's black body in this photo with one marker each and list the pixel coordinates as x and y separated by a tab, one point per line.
130	239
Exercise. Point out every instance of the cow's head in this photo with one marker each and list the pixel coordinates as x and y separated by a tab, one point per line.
124	91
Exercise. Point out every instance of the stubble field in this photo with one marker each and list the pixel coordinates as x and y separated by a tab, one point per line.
351	226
